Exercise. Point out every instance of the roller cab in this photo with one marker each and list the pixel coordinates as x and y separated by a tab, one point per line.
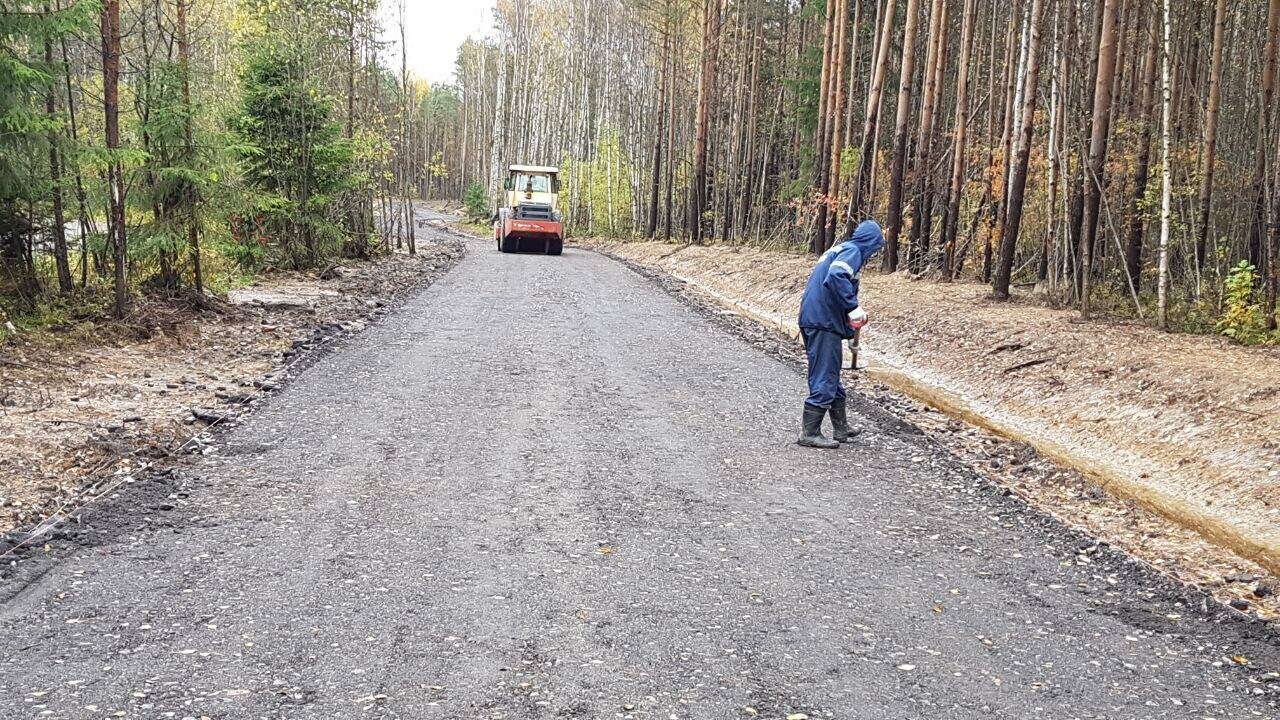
528	219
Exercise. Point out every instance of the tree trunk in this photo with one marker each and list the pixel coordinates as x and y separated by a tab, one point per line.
1098	146
671	145
1079	179
922	208
1049	264
955	190
1137	216
898	163
110	27
82	204
1273	247
1257	222
867	161
818	232
652	228
55	179
1018	183
406	142
188	136
1208	149
1166	179
835	130
843	108
999	205
706	91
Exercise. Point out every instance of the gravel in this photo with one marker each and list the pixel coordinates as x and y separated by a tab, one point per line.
544	487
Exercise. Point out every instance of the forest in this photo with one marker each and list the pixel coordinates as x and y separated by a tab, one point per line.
1012	142
171	148
1115	156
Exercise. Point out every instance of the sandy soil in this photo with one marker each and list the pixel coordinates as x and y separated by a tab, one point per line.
87	404
1166	445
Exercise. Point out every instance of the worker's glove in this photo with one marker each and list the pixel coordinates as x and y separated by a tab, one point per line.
857	318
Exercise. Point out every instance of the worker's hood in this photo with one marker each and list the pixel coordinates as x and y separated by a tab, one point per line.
868	238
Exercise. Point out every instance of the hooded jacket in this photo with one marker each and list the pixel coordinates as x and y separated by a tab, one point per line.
832	290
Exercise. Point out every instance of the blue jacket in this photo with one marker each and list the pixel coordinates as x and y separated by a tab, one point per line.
832	290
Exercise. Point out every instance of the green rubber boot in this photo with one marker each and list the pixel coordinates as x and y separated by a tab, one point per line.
811	435
840	430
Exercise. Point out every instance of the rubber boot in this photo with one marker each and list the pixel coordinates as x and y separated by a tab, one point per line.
812	436
840	430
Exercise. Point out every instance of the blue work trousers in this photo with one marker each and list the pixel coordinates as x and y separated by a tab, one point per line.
825	356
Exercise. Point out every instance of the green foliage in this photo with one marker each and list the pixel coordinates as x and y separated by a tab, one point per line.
806	84
27	132
599	189
1243	319
294	159
440	103
436	167
794	190
850	158
25	78
174	178
475	202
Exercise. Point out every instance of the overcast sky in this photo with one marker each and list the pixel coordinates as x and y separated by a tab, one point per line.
434	29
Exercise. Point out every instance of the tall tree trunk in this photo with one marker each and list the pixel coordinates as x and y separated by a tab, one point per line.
835	128
188	138
753	112
1137	216
1018	183
55	178
998	175
922	173
955	190
1079	177
1047	270
843	102
706	92
1273	246
110	27
406	142
671	145
1257	222
829	32
1209	147
870	128
82	203
1098	146
1166	174
652	228
898	163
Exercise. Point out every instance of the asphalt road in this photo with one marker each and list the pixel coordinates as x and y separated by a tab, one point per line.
547	488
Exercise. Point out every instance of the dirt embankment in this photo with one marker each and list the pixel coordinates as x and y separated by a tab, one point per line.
88	403
1185	426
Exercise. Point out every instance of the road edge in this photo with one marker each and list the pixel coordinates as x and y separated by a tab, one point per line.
28	553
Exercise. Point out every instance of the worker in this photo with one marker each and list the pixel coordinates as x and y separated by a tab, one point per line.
829	314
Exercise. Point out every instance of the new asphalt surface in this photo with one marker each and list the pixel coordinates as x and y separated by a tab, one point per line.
547	488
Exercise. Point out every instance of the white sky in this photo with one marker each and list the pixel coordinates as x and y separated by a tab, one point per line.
433	31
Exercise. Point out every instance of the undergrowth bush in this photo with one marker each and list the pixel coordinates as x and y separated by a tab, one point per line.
475	202
1242	318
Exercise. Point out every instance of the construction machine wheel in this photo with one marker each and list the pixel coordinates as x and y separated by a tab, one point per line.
509	245
555	247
